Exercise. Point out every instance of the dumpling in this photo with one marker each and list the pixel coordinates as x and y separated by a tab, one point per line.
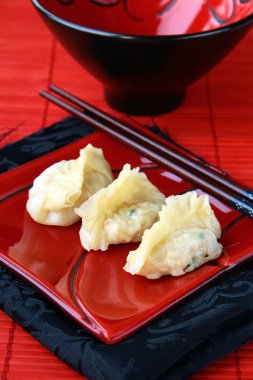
120	212
184	238
66	185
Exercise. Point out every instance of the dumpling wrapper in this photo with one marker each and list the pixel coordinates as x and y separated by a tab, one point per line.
184	238
120	212
67	184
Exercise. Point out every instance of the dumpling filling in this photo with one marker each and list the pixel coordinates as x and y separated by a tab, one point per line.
183	239
129	222
66	185
121	212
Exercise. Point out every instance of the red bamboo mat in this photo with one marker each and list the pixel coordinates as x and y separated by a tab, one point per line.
215	122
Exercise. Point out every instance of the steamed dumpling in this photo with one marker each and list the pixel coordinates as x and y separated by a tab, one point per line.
67	184
184	238
121	212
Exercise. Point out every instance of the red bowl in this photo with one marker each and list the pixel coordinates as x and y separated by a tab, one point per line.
147	53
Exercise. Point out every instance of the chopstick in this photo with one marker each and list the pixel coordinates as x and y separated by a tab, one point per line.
155	150
158	145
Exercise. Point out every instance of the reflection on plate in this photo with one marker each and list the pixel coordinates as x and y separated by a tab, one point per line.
92	286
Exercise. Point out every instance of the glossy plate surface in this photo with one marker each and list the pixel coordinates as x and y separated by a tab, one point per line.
93	287
152	17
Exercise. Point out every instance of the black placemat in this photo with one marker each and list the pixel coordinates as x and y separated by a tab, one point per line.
200	330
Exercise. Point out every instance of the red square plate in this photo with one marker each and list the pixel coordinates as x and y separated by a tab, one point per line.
92	287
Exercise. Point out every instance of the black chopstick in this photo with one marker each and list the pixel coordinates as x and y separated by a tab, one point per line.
159	146
208	184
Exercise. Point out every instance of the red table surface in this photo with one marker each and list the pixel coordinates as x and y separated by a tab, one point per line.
215	121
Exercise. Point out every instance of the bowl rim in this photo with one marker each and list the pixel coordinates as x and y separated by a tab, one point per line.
102	33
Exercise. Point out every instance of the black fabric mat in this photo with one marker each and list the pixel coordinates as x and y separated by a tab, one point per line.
200	330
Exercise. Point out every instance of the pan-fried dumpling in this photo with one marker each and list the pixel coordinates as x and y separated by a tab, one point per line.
66	185
120	212
184	238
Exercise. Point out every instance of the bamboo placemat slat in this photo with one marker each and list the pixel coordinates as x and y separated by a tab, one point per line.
232	111
24	358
